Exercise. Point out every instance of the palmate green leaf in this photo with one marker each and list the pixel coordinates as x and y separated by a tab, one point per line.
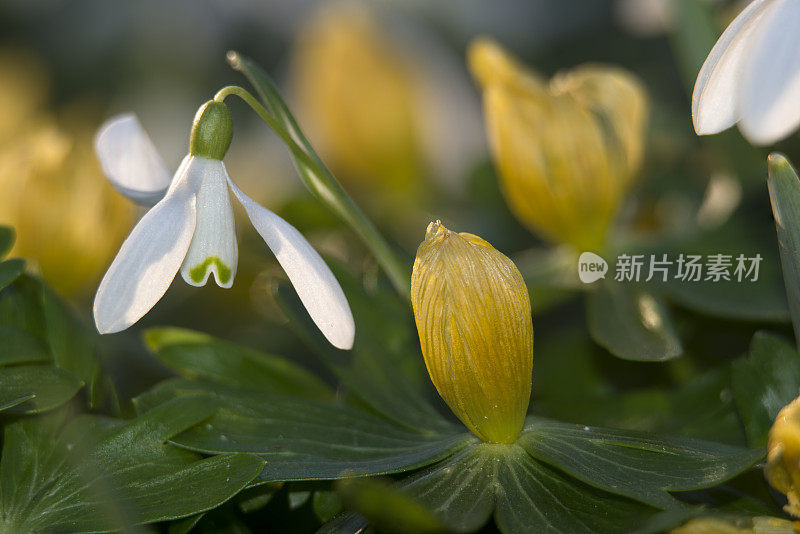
524	495
381	369
10	270
96	474
764	383
32	389
638	465
197	355
302	439
784	193
631	322
6	240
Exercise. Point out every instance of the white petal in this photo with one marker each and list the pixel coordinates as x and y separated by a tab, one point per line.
149	258
715	100
312	279
770	103
213	247
130	161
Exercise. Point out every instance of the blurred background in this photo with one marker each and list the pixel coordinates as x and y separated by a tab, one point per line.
385	94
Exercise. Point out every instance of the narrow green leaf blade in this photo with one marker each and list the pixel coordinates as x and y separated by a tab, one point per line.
319	180
784	193
638	465
763	383
631	323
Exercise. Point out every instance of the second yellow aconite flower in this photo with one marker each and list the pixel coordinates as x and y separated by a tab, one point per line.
566	151
473	315
783	457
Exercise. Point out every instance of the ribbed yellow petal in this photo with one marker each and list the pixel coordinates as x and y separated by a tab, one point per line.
567	150
783	458
473	316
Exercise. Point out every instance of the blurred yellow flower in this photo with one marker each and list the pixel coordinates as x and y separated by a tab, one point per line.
749	525
783	456
567	151
358	93
69	221
473	316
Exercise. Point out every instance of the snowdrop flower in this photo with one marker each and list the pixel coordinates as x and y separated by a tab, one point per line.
752	75
191	228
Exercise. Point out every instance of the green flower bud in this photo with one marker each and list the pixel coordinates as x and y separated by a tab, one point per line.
212	131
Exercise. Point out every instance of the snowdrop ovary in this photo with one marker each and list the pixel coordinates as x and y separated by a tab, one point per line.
473	316
191	228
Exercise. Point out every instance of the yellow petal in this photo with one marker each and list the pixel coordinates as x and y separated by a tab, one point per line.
473	315
783	459
566	151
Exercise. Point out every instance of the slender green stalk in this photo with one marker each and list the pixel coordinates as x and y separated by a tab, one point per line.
317	178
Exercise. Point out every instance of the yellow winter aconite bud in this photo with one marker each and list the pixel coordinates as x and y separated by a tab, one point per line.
566	151
783	457
473	316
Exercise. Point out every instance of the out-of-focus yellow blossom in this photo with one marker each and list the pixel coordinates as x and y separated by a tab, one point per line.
754	525
359	95
783	456
567	150
69	221
473	316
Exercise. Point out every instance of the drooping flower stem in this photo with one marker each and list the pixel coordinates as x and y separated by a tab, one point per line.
317	178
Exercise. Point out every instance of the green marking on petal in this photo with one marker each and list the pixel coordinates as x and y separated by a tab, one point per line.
198	272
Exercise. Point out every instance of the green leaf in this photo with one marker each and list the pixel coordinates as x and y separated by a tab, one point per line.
302	439
96	474
764	383
70	342
638	465
319	180
373	370
197	355
525	495
631	323
763	299
36	388
701	407
345	523
20	347
784	193
387	509
6	240
10	270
